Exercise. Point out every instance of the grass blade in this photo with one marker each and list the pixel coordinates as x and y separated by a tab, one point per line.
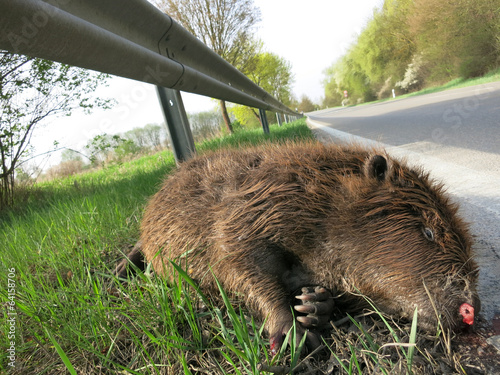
190	281
413	340
61	353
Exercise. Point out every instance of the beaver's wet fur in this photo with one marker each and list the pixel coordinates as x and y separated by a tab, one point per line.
270	220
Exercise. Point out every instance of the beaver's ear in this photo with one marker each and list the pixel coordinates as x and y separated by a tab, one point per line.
376	167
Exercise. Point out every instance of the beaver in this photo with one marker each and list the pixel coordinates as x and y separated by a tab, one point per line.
307	221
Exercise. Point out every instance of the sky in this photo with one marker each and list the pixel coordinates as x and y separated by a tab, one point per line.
311	35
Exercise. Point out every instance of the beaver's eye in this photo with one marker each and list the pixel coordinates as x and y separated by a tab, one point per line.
428	233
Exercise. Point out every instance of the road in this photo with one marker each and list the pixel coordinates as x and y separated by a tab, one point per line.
455	135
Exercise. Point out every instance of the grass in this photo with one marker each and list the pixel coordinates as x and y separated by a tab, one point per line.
72	317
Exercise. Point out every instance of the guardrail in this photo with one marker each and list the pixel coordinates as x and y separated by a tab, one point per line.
127	38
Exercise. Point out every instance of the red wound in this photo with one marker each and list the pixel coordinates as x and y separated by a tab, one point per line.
467	312
273	343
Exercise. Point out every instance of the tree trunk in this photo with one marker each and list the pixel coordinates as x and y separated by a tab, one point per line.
6	191
257	115
225	116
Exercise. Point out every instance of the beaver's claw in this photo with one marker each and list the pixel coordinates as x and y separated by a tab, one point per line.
317	303
317	306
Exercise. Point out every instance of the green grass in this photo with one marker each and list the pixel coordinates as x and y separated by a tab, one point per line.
63	243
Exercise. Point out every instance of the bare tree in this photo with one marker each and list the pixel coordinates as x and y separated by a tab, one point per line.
31	91
154	134
149	136
224	25
205	125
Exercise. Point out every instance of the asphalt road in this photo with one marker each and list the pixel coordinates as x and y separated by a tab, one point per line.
455	135
466	118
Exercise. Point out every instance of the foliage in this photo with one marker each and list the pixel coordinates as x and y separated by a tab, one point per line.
31	91
105	149
413	77
100	147
116	147
306	105
124	148
245	116
273	74
333	92
410	44
347	75
457	39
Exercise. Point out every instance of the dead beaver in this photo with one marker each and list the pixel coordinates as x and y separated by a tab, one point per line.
269	221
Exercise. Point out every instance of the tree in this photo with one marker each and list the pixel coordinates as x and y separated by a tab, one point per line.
224	25
138	136
333	96
101	146
306	104
413	43
346	74
31	91
377	60
149	136
385	48
124	148
154	134
273	74
245	116
205	125
456	38
70	155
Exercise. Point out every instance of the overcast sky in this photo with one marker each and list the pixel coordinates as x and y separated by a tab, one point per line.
311	35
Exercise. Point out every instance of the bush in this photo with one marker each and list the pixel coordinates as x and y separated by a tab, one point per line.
413	79
65	169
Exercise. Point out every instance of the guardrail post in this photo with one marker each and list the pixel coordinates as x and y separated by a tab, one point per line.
263	119
278	117
177	123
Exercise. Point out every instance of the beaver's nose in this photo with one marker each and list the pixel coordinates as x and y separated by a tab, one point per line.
468	313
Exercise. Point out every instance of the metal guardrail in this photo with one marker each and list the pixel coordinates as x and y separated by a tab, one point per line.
128	38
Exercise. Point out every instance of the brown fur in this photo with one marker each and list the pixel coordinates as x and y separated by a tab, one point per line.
273	219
